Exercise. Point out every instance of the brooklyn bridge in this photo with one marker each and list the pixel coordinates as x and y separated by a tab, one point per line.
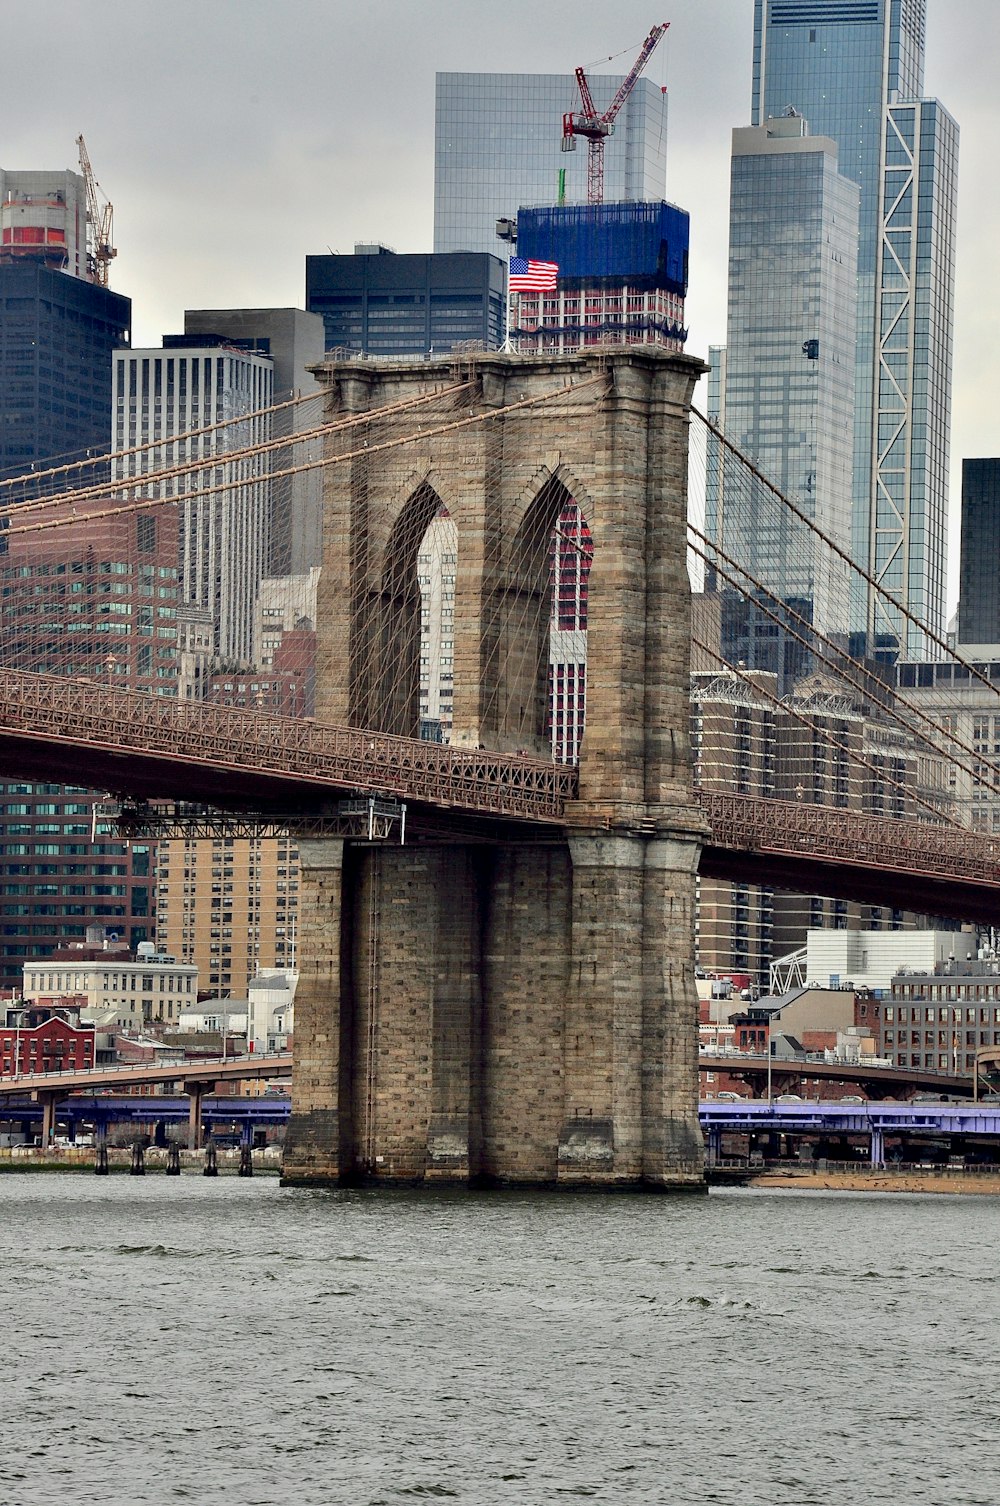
496	950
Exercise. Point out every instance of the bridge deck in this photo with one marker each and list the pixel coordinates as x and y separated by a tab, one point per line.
151	747
130	742
817	849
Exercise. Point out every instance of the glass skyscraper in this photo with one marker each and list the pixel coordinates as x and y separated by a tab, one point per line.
979	599
854	69
786	391
497	147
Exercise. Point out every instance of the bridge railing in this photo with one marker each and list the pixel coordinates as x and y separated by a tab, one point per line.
84	713
754	823
232	1066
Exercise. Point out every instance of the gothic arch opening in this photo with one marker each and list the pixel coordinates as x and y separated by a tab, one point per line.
539	629
570	557
397	626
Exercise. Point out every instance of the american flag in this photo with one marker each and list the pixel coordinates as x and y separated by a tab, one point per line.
532	276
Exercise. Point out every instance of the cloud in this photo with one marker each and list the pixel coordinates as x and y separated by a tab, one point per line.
237	136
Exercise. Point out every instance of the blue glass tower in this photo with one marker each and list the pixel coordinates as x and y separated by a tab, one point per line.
854	69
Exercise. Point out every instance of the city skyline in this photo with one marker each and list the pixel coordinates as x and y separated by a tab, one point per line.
221	205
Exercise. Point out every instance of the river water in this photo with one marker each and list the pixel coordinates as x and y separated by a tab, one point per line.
232	1341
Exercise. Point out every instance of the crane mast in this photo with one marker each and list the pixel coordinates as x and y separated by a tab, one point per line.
596	128
100	216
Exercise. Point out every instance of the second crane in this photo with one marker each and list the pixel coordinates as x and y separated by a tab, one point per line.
596	128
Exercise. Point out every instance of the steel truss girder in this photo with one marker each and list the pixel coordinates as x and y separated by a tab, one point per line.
113	722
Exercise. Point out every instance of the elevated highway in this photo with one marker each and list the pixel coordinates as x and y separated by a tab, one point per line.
58	1093
787	1074
879	1122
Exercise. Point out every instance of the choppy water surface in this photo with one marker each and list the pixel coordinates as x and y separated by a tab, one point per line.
233	1341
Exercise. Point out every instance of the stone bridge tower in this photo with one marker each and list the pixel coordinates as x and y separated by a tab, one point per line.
506	1005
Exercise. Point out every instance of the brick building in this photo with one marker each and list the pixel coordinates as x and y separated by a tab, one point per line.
44	1037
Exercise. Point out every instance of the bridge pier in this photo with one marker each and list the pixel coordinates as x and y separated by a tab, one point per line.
474	1014
48	1101
317	1144
631	1056
196	1092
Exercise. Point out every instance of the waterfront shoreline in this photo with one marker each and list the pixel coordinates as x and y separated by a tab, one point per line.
34	1159
798	1178
947	1180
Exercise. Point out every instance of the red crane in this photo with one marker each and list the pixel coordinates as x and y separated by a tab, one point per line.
596	127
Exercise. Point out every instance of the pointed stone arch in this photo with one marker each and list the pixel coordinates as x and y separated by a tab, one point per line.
391	665
519	629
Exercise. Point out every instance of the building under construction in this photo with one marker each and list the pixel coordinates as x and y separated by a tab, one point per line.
623	271
59	322
43	219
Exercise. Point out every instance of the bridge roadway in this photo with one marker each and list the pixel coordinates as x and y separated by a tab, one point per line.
53	1091
155	748
819	849
786	1072
101	1112
146	1074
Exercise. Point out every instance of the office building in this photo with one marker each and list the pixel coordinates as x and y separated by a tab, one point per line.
965	708
571	554
497	147
77	598
140	989
937	1020
293	339
437	562
57	335
854	69
58	327
195	382
94	593
979	576
785	393
43	219
383	304
817	746
63	868
285	603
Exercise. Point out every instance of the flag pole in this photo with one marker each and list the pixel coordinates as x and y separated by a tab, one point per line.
506	347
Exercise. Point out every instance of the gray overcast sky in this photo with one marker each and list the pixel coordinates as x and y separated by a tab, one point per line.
236	136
